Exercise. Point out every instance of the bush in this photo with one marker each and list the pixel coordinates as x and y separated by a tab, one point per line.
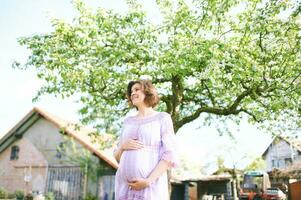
3	193
11	196
49	196
19	194
90	197
29	196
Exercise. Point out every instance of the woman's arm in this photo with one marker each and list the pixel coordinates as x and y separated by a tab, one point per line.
161	167
118	153
127	145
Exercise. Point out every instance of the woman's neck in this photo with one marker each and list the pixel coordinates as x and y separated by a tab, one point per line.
145	111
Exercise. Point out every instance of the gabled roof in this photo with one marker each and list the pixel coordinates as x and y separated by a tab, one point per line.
294	142
79	133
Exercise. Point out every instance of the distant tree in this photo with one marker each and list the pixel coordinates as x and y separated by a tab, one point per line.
220	163
74	154
221	168
257	164
227	59
189	167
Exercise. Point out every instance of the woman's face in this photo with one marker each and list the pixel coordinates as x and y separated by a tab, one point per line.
137	95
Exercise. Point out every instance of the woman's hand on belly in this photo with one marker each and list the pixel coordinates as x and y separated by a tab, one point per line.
139	183
131	144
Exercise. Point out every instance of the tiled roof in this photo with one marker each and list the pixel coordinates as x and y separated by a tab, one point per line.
296	144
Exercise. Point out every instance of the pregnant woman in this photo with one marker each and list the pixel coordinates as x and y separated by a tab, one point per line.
146	148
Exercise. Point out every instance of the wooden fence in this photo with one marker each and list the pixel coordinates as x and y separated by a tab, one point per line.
65	182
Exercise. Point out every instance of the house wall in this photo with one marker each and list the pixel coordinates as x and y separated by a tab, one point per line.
177	191
280	155
38	148
215	188
13	172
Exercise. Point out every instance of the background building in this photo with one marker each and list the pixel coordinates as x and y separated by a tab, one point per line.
33	158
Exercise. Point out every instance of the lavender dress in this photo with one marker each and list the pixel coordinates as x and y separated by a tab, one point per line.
157	135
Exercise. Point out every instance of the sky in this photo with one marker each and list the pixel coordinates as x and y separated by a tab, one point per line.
200	146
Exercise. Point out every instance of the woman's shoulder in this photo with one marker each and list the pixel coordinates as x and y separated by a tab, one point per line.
165	114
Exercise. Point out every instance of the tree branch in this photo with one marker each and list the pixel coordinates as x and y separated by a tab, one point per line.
167	100
209	93
292	82
160	80
251	114
232	109
177	95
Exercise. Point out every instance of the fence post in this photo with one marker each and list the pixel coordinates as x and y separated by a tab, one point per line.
186	190
85	180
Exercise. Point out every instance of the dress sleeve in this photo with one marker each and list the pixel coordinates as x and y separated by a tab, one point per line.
168	142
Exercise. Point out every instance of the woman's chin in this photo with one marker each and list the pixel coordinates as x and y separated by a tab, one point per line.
137	104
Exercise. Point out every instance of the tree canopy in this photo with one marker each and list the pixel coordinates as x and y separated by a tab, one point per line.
224	58
257	164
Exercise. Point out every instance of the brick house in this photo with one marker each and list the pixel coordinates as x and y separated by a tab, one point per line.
30	159
282	153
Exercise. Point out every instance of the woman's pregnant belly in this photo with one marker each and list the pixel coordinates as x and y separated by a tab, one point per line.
138	163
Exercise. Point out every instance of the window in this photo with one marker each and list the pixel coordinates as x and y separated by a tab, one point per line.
14	155
273	163
60	149
281	163
288	161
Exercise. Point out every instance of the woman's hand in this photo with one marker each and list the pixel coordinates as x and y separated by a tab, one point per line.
139	184
131	144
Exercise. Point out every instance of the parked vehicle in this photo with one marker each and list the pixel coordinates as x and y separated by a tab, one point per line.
274	194
254	186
